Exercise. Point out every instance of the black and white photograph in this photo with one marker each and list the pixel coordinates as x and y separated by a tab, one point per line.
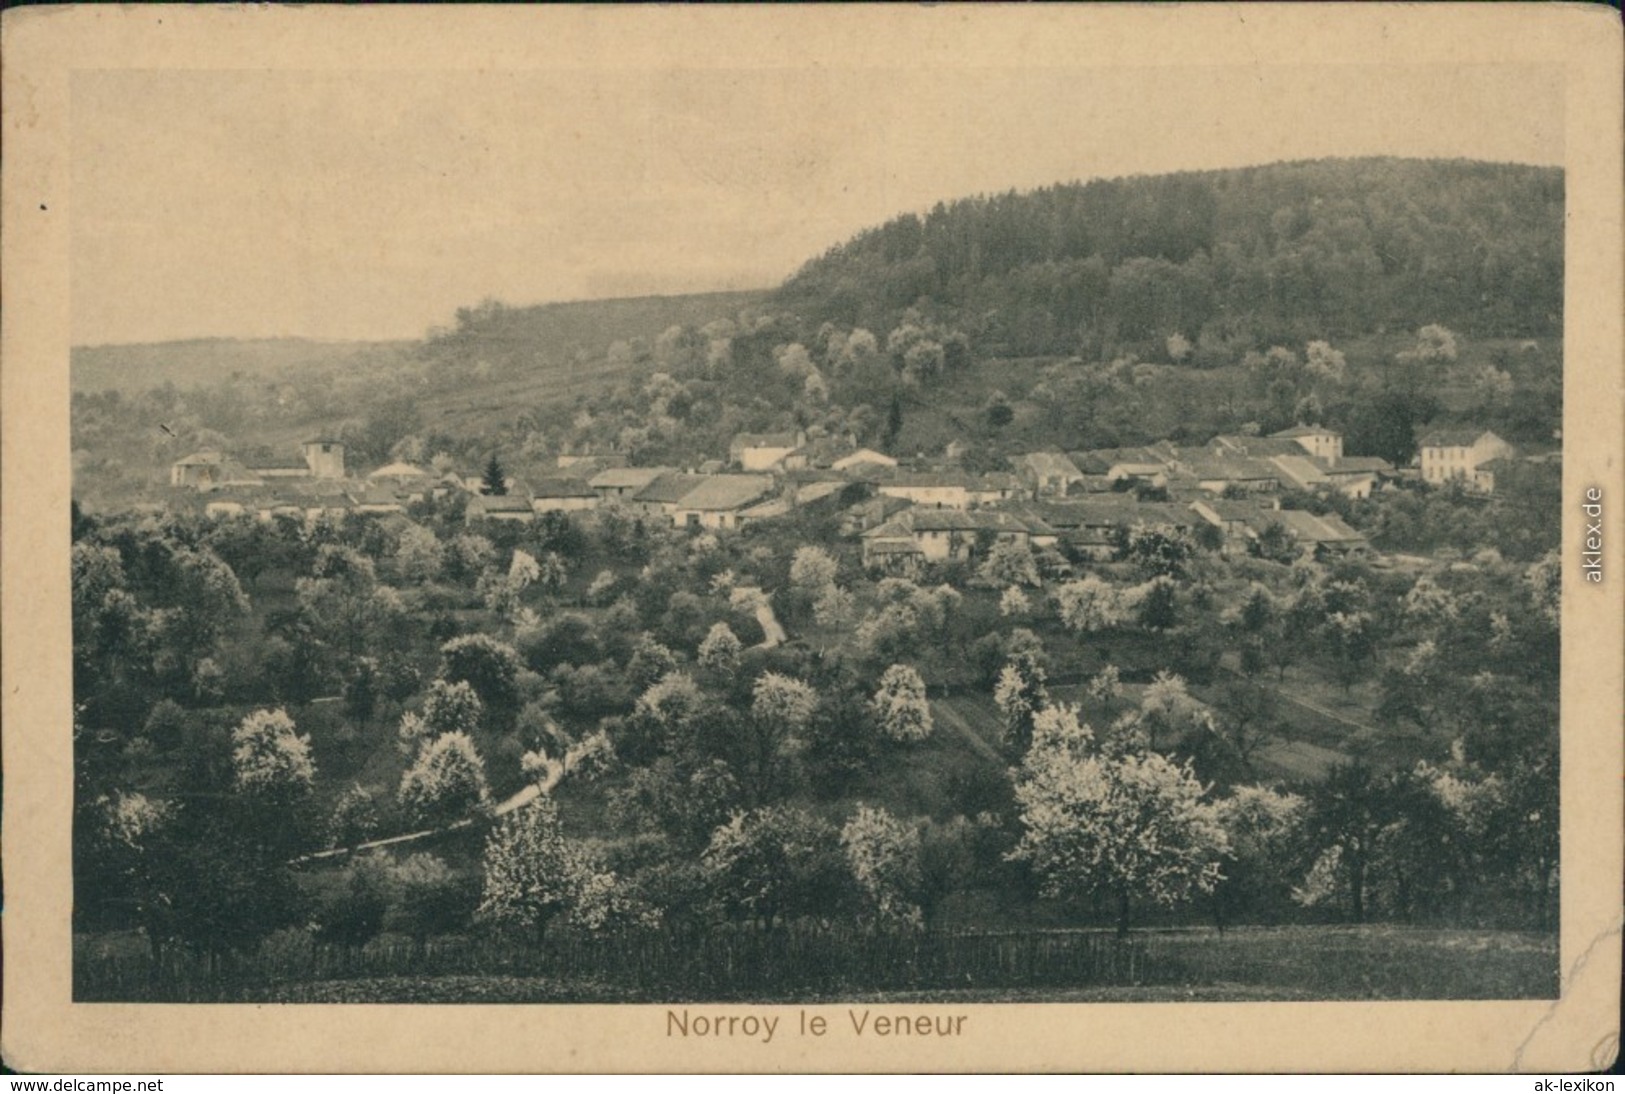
723	535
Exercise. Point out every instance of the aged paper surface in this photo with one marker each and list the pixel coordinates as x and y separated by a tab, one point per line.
1233	48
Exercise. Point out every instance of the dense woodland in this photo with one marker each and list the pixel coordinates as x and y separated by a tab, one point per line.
580	718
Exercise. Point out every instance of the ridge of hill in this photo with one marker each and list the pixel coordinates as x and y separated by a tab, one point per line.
1270	254
566	334
140	366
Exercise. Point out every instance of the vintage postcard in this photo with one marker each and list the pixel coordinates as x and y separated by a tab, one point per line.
936	538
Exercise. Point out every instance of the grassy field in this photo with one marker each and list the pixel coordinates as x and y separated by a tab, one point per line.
1250	963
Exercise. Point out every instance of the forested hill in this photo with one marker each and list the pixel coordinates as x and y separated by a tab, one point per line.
1278	253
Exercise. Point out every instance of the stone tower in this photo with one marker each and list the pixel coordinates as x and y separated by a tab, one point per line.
325	458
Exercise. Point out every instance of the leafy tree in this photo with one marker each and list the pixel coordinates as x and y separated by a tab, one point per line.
566	639
446	782
883	854
782	701
650	661
362	690
812	568
343	603
1168	716
1159	550
121	843
998	410
1013	602
1090	605
1348	809
490	667
1011	563
1020	694
684	804
900	706
721	649
353	915
666	716
775	864
894	422
1275	543
271	760
419	555
452	708
1264	828
1133	826
429	898
534	873
1156	603
355	817
467	556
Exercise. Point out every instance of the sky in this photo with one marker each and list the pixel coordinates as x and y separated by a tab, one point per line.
371	205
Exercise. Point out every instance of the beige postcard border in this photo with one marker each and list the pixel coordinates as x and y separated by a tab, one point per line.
44	1031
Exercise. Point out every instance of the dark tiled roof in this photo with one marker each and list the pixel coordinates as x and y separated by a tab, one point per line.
562	488
1458	436
668	488
721	493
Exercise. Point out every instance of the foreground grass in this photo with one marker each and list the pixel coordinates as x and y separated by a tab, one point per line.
1256	963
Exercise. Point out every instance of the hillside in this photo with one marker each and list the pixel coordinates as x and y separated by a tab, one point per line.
199	361
1271	254
502	335
1113	312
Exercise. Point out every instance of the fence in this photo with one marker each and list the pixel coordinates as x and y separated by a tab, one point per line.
732	963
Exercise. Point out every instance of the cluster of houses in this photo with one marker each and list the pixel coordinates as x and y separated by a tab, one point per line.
903	516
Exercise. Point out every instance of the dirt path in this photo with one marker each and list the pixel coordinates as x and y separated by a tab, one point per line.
772	631
513	803
948	716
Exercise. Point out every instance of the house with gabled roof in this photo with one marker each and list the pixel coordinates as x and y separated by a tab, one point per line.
936	489
513	508
200	470
624	482
661	496
1230	445
1218	473
1317	440
871	513
1145	463
763	451
373	498
562	494
943	535
890	548
993	488
1321	533
1457	453
863	456
1303	472
1050	474
716	500
1238	520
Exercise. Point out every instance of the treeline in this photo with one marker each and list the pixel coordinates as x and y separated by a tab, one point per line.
1278	254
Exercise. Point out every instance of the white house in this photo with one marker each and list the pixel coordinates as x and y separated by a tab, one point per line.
938	489
863	456
717	500
1316	440
762	451
1446	454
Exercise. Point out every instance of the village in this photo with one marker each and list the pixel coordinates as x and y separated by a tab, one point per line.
905	513
987	635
